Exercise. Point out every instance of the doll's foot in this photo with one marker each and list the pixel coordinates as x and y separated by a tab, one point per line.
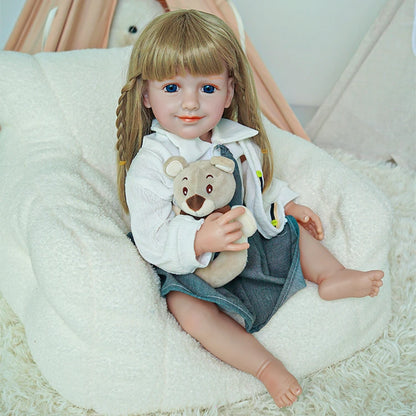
375	277
282	386
352	283
365	283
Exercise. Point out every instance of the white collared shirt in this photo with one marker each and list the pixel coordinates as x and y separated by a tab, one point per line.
166	240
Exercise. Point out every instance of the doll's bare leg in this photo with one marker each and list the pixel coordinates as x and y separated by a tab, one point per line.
334	280
231	343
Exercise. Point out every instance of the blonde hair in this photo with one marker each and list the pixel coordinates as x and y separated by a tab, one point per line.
175	42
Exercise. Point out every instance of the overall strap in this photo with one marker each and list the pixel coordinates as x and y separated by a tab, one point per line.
238	195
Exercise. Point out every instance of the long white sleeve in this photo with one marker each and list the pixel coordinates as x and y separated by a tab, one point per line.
162	238
280	192
259	203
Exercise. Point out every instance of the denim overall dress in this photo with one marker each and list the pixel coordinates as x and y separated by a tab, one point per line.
271	276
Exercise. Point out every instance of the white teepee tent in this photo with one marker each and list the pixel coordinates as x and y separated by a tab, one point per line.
371	110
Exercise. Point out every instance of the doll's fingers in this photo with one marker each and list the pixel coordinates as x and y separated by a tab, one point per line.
318	228
308	226
234	236
317	234
315	218
237	247
232	214
233	225
214	216
316	222
310	229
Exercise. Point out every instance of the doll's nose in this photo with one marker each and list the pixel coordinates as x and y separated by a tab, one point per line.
190	101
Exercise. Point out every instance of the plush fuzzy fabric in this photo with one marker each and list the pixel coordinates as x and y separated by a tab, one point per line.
378	380
94	321
130	18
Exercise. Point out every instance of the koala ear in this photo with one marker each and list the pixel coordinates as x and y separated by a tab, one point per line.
174	165
223	163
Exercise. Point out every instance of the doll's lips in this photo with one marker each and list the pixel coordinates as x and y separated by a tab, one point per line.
189	119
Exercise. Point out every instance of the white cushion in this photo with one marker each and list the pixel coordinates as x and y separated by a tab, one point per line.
95	322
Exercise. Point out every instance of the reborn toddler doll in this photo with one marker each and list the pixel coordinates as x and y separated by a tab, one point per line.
190	93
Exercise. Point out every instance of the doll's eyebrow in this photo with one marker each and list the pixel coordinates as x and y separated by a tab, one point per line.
208	176
184	178
214	77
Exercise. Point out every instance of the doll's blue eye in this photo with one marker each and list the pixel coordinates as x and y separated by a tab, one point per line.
209	89
171	88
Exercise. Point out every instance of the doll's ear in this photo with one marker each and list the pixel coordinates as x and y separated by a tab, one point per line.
230	92
145	96
223	163
174	165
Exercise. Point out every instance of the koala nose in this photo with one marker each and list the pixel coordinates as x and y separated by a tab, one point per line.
195	202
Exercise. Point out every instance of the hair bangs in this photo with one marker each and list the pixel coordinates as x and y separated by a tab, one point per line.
187	46
201	60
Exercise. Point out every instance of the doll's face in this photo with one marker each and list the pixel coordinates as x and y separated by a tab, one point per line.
189	106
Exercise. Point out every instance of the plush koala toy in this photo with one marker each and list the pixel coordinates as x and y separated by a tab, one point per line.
200	188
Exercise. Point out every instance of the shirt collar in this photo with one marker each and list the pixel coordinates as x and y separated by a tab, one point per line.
226	131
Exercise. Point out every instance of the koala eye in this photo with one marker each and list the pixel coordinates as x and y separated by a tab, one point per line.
209	188
185	190
133	29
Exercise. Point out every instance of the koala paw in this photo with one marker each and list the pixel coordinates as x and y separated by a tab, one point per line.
248	222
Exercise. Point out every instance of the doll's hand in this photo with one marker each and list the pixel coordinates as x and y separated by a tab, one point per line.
307	218
219	233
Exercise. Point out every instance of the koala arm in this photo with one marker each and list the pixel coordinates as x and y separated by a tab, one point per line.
248	222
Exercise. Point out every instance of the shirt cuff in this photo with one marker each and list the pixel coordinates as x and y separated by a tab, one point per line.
204	259
187	249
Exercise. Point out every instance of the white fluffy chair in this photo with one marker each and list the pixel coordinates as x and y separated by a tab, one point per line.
95	323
